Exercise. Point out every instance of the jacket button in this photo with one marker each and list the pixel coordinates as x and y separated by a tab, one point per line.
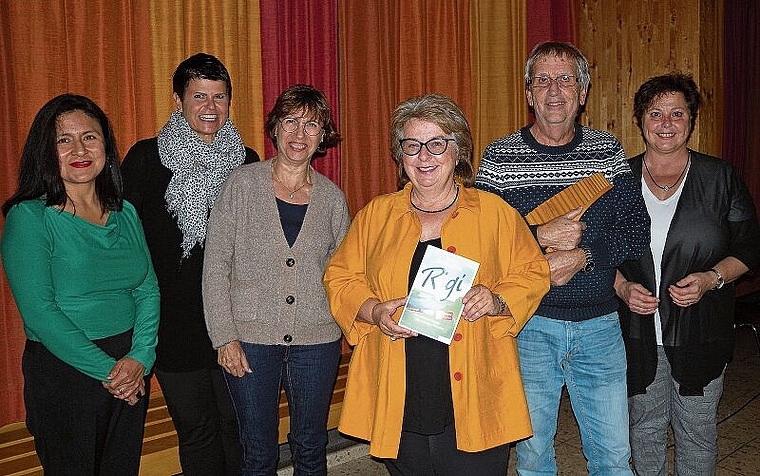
457	337
457	376
287	338
290	299
290	262
455	214
451	249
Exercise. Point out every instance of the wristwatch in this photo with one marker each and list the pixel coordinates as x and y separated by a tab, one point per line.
721	281
589	266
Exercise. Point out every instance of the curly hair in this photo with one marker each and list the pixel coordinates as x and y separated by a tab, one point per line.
658	86
443	112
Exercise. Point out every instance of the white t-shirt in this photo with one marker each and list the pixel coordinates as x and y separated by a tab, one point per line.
661	213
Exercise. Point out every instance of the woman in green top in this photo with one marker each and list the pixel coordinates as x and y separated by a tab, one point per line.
81	275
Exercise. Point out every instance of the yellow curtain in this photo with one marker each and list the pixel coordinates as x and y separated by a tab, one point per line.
228	30
497	46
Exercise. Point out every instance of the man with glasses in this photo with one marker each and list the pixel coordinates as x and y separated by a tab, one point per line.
574	337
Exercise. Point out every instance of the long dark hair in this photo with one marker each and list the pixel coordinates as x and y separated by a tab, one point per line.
40	174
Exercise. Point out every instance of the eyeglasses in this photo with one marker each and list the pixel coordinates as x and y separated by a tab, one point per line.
435	146
545	82
290	124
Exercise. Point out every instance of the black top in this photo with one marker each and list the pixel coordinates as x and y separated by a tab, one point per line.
183	342
428	407
715	218
291	219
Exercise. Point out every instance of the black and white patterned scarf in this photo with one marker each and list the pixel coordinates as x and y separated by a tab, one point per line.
198	172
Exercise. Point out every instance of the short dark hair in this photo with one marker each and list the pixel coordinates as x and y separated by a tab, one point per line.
443	112
200	66
40	172
310	100
560	50
658	86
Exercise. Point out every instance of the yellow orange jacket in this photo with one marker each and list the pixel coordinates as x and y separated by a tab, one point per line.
373	262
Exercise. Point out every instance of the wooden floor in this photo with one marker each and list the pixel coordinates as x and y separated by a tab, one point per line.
159	454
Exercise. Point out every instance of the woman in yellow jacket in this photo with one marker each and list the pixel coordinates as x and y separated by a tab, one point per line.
427	407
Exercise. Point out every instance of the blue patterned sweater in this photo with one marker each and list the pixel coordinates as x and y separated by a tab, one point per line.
526	173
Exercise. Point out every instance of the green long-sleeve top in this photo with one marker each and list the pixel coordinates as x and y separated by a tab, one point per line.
75	281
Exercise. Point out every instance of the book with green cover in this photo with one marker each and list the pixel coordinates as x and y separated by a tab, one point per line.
434	304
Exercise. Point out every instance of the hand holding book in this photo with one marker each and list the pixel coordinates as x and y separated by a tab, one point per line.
480	301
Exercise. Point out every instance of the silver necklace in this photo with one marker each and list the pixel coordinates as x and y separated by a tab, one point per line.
456	195
291	192
666	188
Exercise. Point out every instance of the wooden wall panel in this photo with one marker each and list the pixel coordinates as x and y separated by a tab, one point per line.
628	42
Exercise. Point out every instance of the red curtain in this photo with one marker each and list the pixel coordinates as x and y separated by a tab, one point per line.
741	58
551	20
299	44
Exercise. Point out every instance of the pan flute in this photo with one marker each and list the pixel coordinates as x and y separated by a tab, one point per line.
579	195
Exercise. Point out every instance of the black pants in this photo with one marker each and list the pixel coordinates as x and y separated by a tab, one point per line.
201	409
428	455
79	428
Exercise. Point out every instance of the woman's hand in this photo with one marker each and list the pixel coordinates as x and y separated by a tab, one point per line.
125	380
638	298
381	315
232	358
478	302
690	289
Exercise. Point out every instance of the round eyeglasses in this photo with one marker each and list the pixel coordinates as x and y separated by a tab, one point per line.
290	124
545	82
435	146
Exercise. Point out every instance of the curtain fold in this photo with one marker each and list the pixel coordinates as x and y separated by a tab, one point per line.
49	48
228	30
741	141
299	44
498	36
390	51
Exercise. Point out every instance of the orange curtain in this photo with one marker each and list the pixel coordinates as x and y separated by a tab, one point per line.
392	50
47	48
299	44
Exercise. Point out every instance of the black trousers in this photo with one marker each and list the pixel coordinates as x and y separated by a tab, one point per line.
79	428
201	409
437	455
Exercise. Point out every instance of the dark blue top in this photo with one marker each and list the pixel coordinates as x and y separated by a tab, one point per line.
291	218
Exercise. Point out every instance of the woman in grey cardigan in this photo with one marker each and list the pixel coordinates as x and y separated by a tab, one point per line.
272	230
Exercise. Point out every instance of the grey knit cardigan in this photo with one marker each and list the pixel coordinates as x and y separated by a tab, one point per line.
256	288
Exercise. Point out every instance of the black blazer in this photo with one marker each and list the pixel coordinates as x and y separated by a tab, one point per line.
715	218
183	342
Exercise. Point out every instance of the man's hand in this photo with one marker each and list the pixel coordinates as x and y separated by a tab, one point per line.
562	233
564	264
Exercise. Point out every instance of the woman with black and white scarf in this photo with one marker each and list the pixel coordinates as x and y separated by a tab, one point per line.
173	181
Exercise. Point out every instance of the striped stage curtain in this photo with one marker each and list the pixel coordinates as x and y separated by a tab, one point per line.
366	55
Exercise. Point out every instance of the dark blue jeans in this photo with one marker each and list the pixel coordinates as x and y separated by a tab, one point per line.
307	373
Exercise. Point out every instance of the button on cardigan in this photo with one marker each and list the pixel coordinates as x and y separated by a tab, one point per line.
256	288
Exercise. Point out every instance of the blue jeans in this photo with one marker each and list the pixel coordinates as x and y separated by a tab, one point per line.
693	419
589	357
307	372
